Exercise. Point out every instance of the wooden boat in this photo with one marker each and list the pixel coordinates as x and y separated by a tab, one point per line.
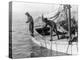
44	41
42	37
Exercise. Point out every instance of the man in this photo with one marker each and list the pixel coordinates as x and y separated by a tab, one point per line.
31	23
52	26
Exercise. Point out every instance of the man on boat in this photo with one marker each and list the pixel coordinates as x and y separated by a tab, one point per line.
52	25
31	23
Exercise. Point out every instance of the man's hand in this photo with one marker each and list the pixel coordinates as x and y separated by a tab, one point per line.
27	21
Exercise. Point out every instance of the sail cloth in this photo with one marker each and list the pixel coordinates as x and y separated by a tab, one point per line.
57	15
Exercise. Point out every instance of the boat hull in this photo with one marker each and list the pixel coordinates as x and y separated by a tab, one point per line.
57	45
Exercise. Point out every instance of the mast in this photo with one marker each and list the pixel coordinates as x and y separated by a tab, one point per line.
69	21
68	8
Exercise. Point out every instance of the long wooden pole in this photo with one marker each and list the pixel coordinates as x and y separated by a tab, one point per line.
51	40
69	20
69	23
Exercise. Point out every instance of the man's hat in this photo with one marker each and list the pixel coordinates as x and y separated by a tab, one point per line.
26	13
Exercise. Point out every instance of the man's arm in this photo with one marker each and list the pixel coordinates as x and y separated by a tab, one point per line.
29	19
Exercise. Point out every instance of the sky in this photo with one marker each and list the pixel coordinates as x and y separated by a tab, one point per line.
32	8
36	9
